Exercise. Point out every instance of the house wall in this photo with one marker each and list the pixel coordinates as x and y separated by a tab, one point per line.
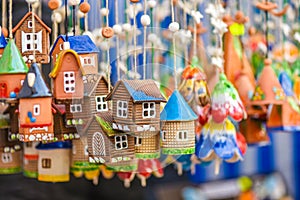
119	155
90	69
79	152
13	82
138	114
41	57
57	49
69	63
122	94
15	163
26	105
94	127
149	144
14	117
60	165
172	127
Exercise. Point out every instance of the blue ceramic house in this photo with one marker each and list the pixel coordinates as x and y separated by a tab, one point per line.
177	126
83	46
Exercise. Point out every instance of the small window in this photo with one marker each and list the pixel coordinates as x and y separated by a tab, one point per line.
87	61
36	110
6	157
121	142
101	104
75	108
61	46
137	141
22	81
122	109
46	163
163	135
28	144
28	37
149	110
69	82
182	136
29	25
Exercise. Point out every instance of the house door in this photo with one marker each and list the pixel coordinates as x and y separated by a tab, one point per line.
98	144
3	90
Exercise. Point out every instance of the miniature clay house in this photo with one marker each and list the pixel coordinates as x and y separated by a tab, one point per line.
136	110
27	41
3	43
68	86
54	161
110	147
10	153
95	92
30	160
80	164
178	126
83	46
12	71
35	110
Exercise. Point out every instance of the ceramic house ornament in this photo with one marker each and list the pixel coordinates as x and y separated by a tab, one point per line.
54	161
106	146
10	151
30	160
135	110
12	71
178	126
27	41
35	108
80	165
85	48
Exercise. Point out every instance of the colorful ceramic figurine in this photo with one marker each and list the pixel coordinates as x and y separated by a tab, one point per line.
30	160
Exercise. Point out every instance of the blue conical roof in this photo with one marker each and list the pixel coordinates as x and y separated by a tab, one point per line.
3	42
177	109
39	87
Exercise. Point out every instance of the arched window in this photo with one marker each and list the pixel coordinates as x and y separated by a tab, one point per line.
98	144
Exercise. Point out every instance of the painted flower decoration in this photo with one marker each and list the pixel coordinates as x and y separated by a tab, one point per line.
258	94
226	102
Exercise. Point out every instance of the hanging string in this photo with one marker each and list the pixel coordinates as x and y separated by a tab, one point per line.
185	27
117	38
174	46
86	24
33	33
74	19
195	32
66	19
145	41
266	32
108	57
134	40
3	14
10	20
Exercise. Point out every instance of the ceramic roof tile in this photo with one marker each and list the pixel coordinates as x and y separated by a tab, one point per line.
79	43
11	61
54	145
29	14
177	109
39	87
141	90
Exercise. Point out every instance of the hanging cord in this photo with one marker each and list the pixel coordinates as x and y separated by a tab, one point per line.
108	57
117	38
33	33
145	41
86	24
174	46
195	32
4	14
134	40
186	51
74	19
10	20
266	32
66	19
